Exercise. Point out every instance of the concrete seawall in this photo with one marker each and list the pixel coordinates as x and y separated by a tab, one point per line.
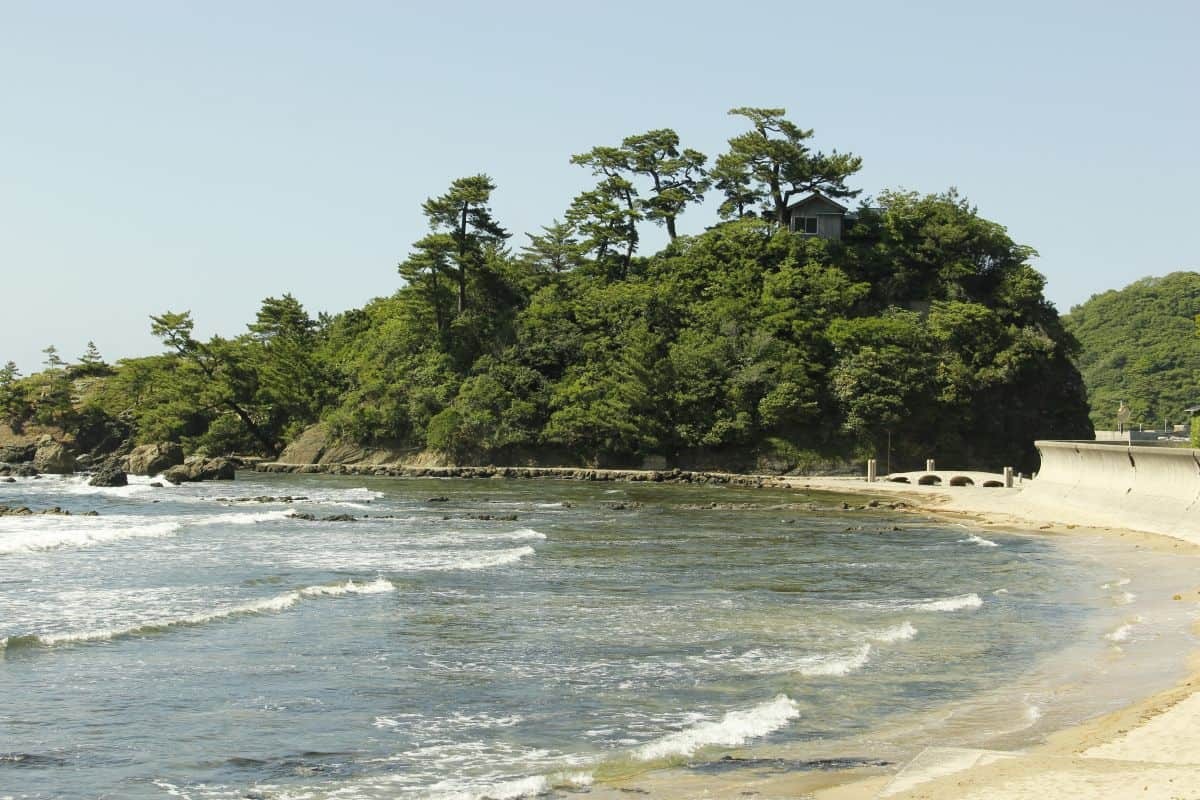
1142	487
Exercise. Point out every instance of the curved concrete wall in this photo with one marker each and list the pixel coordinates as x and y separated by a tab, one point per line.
1122	485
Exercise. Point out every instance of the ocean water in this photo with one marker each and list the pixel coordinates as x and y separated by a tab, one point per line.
193	642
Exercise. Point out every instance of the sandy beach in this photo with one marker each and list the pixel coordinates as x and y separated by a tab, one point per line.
1149	749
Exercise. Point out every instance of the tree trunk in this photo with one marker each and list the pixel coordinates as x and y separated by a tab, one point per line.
778	198
671	227
462	259
437	301
255	431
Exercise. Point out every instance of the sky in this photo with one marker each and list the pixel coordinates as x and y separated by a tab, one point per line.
197	156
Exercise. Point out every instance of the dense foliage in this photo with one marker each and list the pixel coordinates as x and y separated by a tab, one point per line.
1139	345
747	345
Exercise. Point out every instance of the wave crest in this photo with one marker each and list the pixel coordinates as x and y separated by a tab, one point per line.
498	558
957	603
732	730
837	667
266	605
78	532
896	633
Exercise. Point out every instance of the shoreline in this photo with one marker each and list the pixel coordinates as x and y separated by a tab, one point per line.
1150	747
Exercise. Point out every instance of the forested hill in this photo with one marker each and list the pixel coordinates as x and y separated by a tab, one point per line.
744	346
1139	345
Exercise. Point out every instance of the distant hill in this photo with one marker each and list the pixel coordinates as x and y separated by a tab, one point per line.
1139	344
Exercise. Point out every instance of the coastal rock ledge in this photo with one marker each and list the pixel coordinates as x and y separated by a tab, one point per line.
199	468
151	459
566	473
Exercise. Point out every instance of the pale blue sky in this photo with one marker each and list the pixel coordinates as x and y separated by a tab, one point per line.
169	155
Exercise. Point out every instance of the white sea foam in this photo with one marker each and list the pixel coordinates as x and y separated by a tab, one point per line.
761	662
836	666
479	560
979	540
51	532
1122	632
735	728
78	485
362	559
249	518
1124	598
523	535
280	602
32	534
896	633
531	786
957	603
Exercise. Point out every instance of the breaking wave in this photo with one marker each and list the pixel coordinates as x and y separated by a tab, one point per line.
39	533
979	540
735	728
523	535
958	603
51	532
896	633
838	666
1122	632
475	561
267	605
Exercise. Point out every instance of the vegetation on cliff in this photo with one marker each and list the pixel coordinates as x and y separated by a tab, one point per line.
925	327
1139	346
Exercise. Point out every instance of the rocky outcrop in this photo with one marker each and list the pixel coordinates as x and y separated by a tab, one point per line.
24	511
151	459
308	447
199	468
53	457
20	470
316	445
17	453
109	474
566	473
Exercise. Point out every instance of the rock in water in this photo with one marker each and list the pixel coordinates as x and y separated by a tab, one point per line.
151	459
199	468
109	474
53	457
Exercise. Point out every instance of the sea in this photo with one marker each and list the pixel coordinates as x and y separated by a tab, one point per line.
298	637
